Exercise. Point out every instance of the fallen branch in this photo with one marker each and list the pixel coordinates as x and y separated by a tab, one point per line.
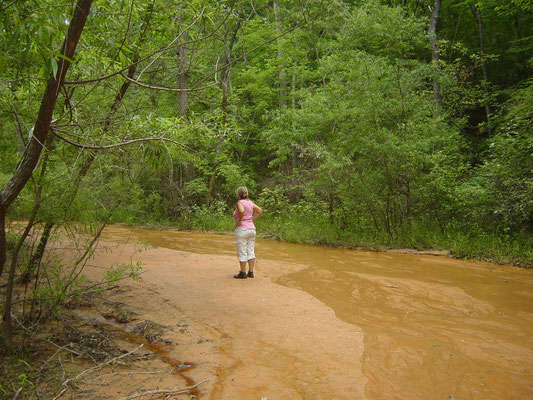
95	368
17	394
166	391
46	340
100	377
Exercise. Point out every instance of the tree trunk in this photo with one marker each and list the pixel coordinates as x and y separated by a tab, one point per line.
225	83
331	207
3	244
282	73
131	72
34	148
293	89
435	55
39	252
37	256
182	53
214	171
479	18
518	34
37	203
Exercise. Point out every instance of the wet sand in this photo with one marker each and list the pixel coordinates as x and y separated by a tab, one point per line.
321	323
258	339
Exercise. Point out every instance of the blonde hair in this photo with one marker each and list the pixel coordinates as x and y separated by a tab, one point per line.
242	192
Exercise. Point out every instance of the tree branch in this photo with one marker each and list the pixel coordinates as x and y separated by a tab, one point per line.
262	45
174	41
161	50
110	146
3	8
145	85
95	368
33	149
167	391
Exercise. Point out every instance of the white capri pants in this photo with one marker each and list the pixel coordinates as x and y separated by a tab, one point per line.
245	241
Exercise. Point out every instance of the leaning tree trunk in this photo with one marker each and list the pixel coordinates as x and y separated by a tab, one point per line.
82	172
24	278
34	148
435	54
37	256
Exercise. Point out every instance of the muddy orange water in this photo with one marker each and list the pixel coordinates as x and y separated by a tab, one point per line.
434	327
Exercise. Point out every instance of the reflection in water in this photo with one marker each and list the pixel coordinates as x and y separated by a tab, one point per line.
435	328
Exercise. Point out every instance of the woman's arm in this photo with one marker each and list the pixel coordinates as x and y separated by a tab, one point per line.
240	211
257	212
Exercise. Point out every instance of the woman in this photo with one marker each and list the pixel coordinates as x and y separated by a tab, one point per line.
246	212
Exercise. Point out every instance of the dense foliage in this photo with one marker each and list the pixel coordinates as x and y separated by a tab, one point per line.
326	110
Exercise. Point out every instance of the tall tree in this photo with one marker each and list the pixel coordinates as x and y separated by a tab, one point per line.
435	53
33	149
282	72
182	54
484	83
225	84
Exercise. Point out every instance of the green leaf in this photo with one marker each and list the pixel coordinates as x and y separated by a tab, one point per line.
53	64
64	57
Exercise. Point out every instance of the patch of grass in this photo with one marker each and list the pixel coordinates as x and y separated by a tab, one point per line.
304	226
18	375
515	250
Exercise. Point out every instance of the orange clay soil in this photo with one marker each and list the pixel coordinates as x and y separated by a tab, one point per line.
244	339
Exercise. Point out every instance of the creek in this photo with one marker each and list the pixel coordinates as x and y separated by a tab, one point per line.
434	327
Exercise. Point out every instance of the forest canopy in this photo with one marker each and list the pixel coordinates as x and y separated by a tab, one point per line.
356	123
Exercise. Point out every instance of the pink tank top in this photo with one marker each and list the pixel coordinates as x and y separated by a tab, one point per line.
247	217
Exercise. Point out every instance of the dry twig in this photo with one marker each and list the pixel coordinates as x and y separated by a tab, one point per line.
166	391
95	368
17	394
